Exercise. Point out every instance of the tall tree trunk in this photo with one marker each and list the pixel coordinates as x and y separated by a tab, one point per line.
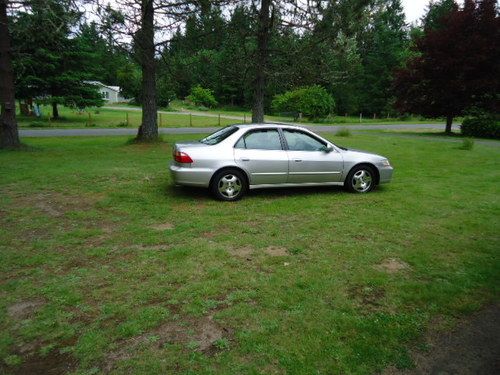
9	135
55	111
449	122
259	83
148	131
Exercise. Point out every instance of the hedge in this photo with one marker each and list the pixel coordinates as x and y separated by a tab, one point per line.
483	127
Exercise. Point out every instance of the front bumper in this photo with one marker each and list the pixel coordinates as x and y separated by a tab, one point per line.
385	174
188	176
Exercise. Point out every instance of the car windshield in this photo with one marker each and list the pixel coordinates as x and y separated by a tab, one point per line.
219	135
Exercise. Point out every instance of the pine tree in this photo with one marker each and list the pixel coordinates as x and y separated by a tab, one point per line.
49	61
383	50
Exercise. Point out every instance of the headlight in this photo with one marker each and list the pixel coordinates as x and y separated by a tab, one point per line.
385	163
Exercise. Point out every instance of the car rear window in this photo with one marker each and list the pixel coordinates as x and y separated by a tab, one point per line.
219	135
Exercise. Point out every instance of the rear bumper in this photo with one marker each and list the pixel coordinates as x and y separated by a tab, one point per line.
188	176
385	174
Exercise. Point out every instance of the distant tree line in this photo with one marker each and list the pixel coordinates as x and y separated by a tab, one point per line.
317	57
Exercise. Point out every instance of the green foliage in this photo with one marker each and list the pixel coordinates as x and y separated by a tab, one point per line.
129	79
485	126
165	93
436	11
382	49
352	59
467	144
202	97
51	63
344	132
313	101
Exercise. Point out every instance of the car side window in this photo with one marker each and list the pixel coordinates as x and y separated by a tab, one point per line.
265	139
300	141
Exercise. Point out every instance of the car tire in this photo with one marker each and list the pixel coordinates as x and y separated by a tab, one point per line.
361	179
229	185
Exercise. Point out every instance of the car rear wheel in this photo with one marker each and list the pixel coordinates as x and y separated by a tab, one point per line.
229	185
361	179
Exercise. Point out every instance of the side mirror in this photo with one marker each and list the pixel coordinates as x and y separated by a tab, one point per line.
327	148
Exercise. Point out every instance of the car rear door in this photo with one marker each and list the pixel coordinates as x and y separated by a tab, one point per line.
260	152
308	162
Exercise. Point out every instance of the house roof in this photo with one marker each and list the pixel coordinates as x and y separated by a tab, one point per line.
98	83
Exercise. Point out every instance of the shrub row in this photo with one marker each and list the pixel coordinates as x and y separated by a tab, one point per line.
484	127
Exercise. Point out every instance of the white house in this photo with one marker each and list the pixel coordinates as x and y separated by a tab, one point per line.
111	94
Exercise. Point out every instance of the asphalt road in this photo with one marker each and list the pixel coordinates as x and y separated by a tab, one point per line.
133	131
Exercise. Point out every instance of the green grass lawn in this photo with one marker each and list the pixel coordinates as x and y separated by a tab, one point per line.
105	266
110	118
106	118
179	105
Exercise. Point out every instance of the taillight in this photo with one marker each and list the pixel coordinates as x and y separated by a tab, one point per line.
182	157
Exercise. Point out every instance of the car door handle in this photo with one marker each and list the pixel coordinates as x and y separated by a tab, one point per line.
297	160
245	159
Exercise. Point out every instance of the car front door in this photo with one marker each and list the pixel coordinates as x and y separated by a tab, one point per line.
260	152
309	159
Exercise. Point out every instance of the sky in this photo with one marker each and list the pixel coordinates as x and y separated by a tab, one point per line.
414	9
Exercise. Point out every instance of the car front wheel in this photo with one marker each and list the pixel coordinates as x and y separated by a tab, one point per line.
229	185
361	179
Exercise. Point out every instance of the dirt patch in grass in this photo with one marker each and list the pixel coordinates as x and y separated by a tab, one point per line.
163	226
393	265
199	334
24	309
56	204
54	363
368	298
472	347
276	251
244	252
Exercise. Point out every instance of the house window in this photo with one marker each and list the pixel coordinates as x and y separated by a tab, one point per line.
105	95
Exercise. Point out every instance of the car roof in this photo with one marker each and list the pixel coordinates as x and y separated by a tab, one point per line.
266	124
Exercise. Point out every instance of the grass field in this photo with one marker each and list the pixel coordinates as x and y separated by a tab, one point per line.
104	117
109	118
106	267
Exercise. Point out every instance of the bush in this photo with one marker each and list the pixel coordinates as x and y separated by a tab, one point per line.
467	144
343	132
312	101
485	126
202	97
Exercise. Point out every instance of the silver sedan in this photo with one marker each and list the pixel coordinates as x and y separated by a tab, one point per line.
241	157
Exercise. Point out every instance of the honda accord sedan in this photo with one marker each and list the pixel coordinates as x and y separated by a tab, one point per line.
241	157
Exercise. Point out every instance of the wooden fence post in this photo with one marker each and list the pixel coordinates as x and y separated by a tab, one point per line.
190	120
126	119
219	119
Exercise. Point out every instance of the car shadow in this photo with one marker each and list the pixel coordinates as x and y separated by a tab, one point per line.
295	191
203	194
188	192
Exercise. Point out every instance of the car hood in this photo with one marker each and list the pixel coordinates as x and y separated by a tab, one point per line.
353	152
